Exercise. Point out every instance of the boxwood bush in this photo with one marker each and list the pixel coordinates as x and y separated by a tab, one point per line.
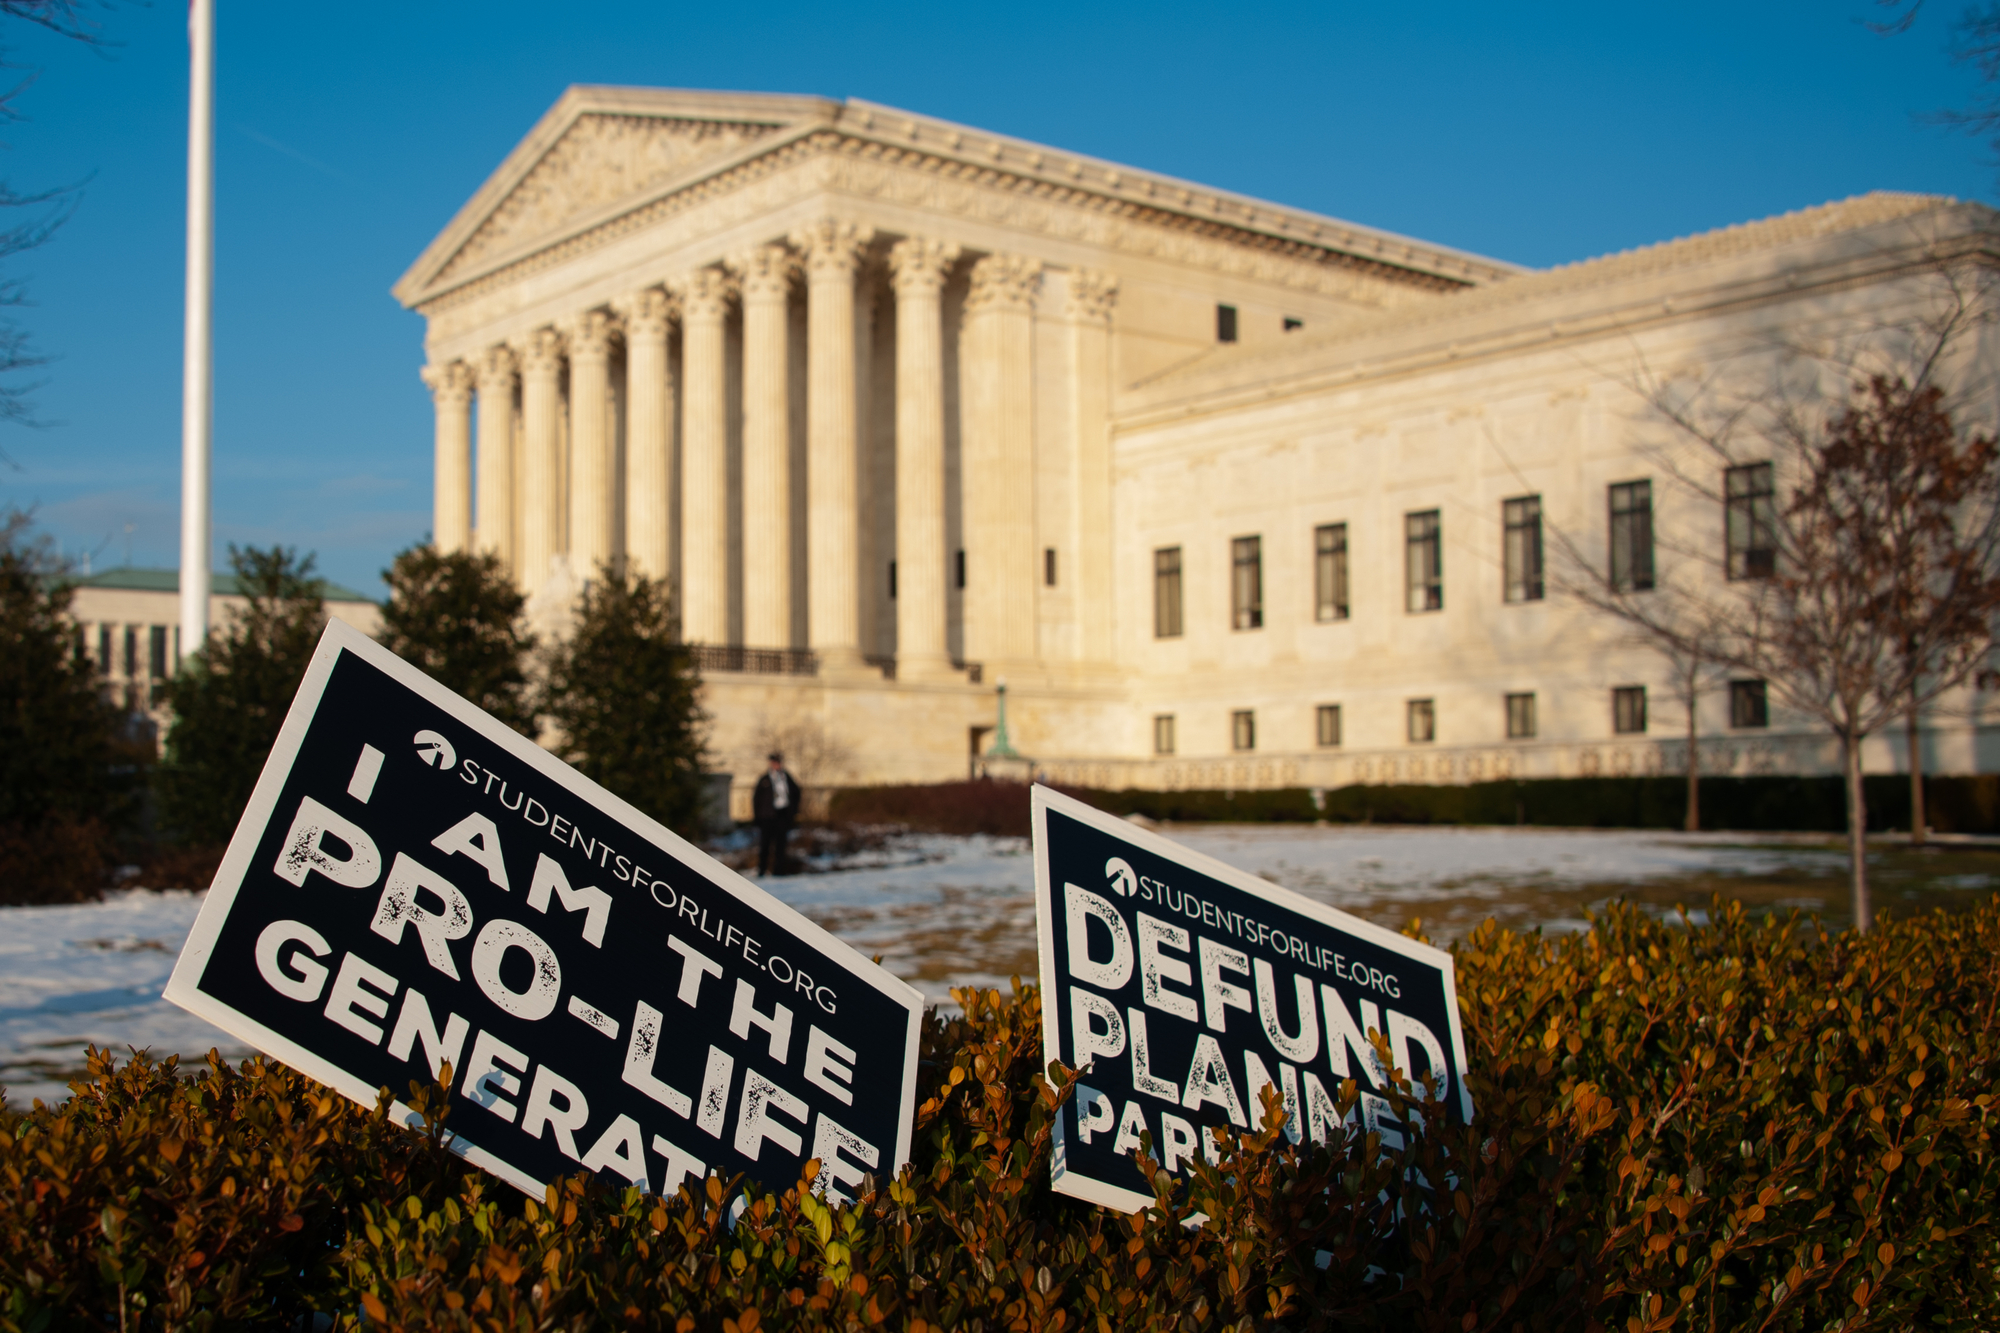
1954	804
1725	1122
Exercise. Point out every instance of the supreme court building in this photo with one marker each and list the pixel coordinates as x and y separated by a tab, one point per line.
1228	493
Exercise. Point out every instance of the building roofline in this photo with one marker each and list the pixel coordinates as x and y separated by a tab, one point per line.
856	119
133	578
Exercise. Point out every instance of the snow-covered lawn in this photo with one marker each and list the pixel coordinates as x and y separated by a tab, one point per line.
941	911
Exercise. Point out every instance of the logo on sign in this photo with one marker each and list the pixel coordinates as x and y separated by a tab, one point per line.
435	750
1124	881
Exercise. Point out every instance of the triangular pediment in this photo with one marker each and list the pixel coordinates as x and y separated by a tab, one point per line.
598	150
601	160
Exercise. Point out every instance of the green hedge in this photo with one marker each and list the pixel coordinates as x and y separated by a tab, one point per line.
1773	804
1751	1123
1953	804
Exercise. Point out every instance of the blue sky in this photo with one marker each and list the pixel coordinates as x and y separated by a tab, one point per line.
348	134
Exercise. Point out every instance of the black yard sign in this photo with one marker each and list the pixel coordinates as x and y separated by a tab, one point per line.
415	883
1183	987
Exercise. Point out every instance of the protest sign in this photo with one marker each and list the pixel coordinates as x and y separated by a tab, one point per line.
1182	987
414	883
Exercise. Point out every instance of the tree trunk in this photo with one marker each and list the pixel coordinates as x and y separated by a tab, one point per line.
1694	759
1917	816
1857	833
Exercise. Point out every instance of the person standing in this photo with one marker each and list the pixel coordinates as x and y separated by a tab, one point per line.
775	806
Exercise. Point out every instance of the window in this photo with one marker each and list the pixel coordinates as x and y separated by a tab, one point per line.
1293	322
1628	710
958	569
1752	535
1423	555
1423	721
1243	729
158	652
1049	566
1225	323
1330	572
1522	549
1167	593
1328	718
1246	583
1163	733
1632	537
1520	717
131	652
892	580
1748	706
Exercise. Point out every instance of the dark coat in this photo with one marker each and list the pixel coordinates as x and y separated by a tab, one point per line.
761	807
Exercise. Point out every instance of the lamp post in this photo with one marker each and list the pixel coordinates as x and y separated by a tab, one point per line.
1001	747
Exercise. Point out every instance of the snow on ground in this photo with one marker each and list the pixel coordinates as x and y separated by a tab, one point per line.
960	911
93	972
941	912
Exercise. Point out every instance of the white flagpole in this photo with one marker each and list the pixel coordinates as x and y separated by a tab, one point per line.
197	380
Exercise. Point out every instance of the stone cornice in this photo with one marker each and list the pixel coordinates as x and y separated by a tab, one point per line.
861	131
1537	317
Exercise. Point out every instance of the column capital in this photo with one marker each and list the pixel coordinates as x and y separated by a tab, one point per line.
448	383
1091	295
919	264
647	313
542	351
704	293
1006	282
832	247
765	272
496	367
589	334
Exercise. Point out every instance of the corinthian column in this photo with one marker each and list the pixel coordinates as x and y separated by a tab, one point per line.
833	252
919	268
999	461
648	434
1091	296
451	497
593	454
766	274
496	454
704	460
541	474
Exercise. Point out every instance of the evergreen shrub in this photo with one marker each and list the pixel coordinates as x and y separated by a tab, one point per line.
68	769
456	616
622	696
1724	1123
232	693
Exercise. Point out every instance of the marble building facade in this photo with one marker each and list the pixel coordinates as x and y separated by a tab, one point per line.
903	409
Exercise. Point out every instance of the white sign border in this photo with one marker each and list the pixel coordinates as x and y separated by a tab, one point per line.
339	637
1042	800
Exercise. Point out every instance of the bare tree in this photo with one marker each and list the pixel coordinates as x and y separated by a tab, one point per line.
1689	632
1861	524
45	210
